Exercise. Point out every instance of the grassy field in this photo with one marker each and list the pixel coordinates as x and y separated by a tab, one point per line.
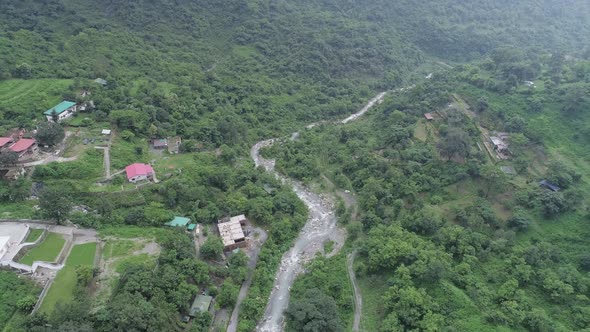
118	248
17	210
62	289
34	235
46	251
32	95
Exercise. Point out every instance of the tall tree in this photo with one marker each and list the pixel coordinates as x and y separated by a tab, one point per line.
50	133
455	144
54	204
315	312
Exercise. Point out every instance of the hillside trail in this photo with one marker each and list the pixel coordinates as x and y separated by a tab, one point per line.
320	227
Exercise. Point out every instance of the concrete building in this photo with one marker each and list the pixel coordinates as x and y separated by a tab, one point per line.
231	232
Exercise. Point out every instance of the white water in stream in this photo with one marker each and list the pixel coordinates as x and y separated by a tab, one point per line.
320	226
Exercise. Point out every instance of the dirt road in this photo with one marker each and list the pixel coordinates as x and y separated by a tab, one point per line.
253	253
320	227
358	299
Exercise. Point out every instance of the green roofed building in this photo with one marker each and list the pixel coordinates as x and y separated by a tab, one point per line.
178	222
202	303
191	227
63	110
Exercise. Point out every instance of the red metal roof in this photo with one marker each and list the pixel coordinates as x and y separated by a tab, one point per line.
5	140
138	169
428	116
22	144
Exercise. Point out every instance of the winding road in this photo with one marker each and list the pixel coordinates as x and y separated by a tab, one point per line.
320	227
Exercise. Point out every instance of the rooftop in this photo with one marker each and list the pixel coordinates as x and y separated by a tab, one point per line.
22	144
160	142
59	108
178	222
138	169
5	140
200	304
100	81
231	231
428	116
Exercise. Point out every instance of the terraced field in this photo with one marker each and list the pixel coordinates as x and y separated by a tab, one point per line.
46	251
32	95
62	289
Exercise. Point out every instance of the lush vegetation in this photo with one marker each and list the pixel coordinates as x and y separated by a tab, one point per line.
448	238
453	239
12	292
47	250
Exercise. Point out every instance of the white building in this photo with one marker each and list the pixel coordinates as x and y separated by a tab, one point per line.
63	110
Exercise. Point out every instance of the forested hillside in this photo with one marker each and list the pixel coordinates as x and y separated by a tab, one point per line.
449	234
262	64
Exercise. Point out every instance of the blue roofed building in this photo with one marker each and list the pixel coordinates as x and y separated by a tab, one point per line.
61	111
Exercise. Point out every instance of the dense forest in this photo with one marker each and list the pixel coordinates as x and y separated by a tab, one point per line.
444	239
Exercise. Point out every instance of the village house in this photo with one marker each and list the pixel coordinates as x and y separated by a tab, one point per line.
202	303
428	116
160	143
231	232
62	111
181	222
26	148
5	141
12	174
139	172
500	144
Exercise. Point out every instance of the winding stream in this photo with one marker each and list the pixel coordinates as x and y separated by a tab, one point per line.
320	227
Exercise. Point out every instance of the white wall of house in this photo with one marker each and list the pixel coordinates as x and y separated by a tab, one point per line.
63	115
138	178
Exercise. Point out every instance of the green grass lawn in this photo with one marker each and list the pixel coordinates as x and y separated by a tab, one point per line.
17	210
62	289
34	235
46	251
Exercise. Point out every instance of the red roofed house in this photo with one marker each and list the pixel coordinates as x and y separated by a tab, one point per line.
139	172
5	140
25	147
429	116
